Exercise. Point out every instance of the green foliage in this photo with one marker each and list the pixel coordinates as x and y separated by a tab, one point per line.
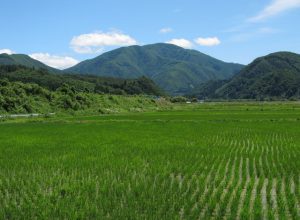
69	99
173	68
19	98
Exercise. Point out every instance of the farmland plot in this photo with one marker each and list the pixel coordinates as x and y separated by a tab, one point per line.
221	162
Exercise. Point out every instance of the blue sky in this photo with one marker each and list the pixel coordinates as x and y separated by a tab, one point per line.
64	32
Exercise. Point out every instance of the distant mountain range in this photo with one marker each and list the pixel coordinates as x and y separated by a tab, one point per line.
174	69
25	60
180	71
273	76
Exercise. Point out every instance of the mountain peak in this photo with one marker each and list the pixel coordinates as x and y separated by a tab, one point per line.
173	68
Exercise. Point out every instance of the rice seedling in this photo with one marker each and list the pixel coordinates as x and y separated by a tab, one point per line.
214	161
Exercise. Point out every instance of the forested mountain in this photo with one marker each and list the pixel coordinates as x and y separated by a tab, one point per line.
207	89
25	60
174	69
273	76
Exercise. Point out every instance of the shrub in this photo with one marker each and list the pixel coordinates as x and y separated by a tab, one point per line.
178	99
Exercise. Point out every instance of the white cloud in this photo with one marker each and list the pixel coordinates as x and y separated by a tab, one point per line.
7	51
165	30
181	43
276	7
208	42
58	62
94	42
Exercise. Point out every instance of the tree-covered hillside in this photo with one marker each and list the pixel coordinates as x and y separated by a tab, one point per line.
86	83
173	68
18	97
28	90
276	76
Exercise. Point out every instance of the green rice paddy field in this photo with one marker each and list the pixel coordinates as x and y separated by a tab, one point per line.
203	161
